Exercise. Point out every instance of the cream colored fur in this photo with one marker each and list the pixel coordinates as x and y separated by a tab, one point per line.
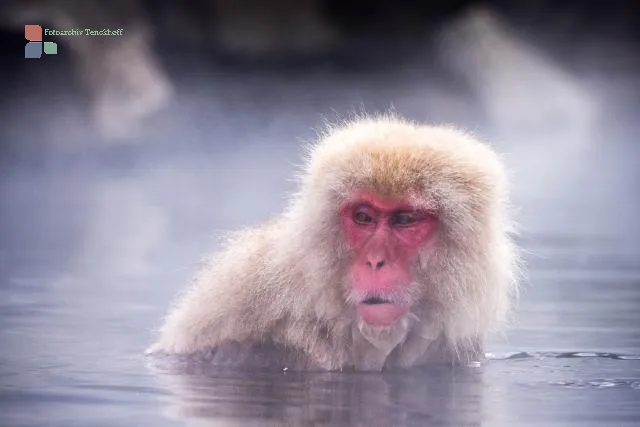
283	283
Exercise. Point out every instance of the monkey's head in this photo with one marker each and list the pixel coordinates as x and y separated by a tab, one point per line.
415	216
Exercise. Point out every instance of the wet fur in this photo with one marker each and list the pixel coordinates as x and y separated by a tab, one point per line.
282	284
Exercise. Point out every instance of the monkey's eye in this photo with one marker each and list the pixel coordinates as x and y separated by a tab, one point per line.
403	219
361	217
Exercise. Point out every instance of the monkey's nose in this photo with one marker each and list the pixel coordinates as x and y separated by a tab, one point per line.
379	264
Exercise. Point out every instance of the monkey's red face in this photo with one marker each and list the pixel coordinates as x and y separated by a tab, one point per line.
386	237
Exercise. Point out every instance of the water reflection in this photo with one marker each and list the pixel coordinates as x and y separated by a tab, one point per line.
326	399
509	389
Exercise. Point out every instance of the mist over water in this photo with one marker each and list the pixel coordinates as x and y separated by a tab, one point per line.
97	237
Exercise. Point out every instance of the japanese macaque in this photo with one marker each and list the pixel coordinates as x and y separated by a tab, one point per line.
394	253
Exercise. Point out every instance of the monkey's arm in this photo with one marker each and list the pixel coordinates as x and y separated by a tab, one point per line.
227	302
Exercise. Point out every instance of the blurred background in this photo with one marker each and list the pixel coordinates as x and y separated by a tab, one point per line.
123	159
194	117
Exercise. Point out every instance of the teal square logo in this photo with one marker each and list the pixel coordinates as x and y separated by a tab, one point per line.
50	48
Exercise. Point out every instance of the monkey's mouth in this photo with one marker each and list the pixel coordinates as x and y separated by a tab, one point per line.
376	301
380	311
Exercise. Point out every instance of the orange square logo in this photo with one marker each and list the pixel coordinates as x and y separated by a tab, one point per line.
33	33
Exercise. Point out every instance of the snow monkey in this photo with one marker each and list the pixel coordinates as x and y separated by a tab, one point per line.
395	252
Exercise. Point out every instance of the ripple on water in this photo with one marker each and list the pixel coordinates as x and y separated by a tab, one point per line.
600	383
559	355
632	383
